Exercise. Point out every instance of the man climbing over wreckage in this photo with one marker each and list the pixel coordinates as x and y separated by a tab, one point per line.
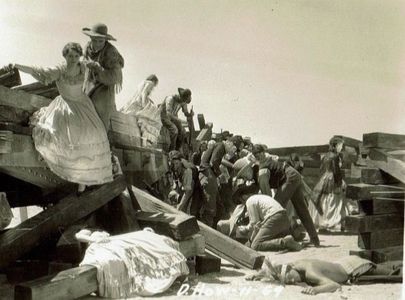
324	276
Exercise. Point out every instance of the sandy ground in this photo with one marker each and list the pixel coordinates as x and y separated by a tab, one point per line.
230	282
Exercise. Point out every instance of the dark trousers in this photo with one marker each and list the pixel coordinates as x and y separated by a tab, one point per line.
268	235
292	189
176	132
209	187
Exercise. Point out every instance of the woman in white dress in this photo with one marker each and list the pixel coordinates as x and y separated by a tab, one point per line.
146	112
68	133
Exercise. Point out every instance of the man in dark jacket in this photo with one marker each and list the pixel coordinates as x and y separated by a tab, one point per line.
281	176
103	76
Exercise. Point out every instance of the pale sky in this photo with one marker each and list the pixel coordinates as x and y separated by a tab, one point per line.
283	72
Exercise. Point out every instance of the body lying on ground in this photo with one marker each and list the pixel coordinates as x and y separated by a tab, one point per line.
324	276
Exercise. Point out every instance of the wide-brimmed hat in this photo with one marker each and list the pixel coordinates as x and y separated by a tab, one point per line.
184	93
98	30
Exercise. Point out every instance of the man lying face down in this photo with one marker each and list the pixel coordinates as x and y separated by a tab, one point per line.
324	276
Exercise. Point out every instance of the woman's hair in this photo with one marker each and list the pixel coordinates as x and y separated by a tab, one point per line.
72	46
153	78
334	142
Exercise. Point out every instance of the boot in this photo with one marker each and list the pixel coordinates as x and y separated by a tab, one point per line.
289	243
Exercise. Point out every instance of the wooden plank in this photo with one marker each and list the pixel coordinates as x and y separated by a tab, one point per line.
362	191
384	140
380	255
19	240
373	223
207	263
201	121
375	176
68	248
381	239
41	176
15	128
392	166
69	284
40	89
9	78
178	227
216	242
380	205
14	115
204	135
301	150
22	100
398	194
6	140
82	281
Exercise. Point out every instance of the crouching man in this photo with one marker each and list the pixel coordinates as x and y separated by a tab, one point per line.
269	227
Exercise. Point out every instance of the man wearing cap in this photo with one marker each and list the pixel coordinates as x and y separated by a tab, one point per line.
103	76
281	176
169	115
186	184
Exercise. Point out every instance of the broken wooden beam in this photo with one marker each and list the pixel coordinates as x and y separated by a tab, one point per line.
389	164
21	239
216	242
81	281
381	239
178	227
384	140
362	191
360	224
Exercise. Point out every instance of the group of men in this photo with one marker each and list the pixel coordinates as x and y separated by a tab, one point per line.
229	180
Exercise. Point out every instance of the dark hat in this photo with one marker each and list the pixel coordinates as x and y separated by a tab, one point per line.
244	189
236	140
174	154
257	149
98	30
184	93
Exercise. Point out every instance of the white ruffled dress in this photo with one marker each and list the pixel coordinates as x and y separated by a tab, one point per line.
69	134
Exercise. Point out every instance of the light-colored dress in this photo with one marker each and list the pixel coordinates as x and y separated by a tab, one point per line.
328	195
146	112
69	134
140	263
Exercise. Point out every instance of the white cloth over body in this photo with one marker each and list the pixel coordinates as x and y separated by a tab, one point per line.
69	134
146	112
138	263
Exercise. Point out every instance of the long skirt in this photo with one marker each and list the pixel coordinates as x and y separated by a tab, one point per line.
73	141
334	211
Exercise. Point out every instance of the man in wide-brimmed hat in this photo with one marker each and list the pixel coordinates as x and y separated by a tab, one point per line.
169	115
103	73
